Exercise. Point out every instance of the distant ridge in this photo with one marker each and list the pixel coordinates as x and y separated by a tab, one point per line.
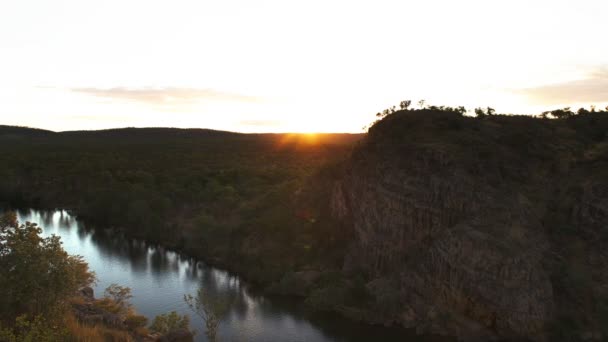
5	129
160	134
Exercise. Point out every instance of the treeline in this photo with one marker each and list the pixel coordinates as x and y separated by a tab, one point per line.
560	113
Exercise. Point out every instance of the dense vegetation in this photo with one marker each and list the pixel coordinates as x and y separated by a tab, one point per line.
37	280
230	198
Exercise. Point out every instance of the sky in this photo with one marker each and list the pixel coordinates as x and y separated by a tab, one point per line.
291	66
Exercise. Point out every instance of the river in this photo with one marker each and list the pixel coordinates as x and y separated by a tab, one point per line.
159	278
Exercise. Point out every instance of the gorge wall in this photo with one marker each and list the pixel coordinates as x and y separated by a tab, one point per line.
482	228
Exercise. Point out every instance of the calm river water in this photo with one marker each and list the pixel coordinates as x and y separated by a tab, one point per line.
159	278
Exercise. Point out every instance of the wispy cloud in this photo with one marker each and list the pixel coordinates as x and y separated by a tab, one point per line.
167	95
260	123
592	89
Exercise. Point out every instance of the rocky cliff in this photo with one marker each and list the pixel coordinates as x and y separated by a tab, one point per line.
482	228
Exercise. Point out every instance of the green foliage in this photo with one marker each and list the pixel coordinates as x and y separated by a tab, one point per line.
169	322
35	329
116	300
120	296
204	192
38	276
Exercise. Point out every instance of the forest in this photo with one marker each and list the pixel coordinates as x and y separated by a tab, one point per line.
218	195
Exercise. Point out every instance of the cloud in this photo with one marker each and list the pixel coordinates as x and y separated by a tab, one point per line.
594	88
167	95
260	123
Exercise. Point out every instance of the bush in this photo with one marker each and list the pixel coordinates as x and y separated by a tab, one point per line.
167	323
35	329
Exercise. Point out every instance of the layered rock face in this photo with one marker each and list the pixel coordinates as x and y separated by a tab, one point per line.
458	228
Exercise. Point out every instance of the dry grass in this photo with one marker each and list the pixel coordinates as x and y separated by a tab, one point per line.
80	332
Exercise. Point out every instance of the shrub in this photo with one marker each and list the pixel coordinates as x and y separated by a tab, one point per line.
167	323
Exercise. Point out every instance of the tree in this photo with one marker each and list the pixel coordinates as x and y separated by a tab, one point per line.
561	113
421	104
120	294
167	323
479	112
404	105
212	308
120	297
37	278
37	275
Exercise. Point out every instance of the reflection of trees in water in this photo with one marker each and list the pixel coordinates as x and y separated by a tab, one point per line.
113	245
46	218
191	269
141	256
82	231
225	284
162	261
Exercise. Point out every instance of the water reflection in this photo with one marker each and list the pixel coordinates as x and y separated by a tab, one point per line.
159	278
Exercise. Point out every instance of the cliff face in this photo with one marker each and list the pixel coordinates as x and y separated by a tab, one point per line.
463	219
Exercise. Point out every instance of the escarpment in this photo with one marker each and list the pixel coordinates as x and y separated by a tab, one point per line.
487	228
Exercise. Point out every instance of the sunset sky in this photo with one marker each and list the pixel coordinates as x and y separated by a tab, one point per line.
268	66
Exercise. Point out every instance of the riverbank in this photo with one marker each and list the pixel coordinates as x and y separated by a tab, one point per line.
93	319
159	279
295	284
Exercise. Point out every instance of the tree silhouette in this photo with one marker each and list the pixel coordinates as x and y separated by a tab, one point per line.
405	104
561	113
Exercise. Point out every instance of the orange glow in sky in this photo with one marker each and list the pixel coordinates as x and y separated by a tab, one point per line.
287	66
